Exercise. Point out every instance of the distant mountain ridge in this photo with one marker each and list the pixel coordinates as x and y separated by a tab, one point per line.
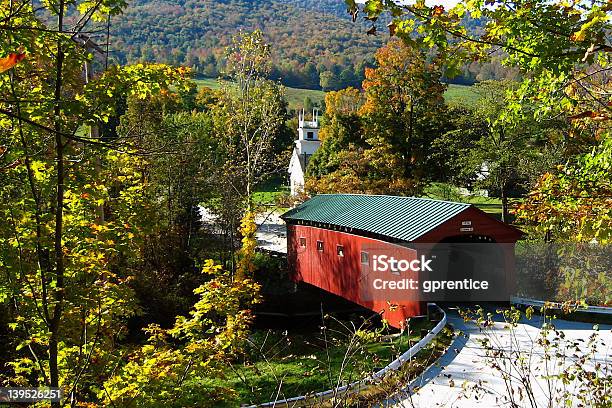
308	37
315	43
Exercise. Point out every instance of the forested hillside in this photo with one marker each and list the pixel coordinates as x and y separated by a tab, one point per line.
315	43
309	38
336	7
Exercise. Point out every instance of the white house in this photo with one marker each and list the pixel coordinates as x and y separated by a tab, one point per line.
307	144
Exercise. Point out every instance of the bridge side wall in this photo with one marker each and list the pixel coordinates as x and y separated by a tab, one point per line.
341	275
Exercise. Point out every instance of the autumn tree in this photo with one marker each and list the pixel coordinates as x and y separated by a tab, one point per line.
341	129
177	366
250	114
404	110
562	51
574	202
59	253
384	145
249	122
206	98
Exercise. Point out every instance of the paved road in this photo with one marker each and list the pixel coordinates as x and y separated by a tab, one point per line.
464	366
271	232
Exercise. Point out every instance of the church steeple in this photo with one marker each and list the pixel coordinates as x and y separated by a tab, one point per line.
308	130
305	146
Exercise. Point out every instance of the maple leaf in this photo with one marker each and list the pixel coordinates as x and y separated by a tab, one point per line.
10	61
437	11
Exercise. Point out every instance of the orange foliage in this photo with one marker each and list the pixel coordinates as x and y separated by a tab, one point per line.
396	118
345	102
10	61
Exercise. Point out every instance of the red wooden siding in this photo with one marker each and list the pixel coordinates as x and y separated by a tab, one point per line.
482	224
340	275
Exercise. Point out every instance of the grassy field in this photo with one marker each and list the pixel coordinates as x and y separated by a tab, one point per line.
295	96
209	82
446	192
310	362
267	193
457	94
461	95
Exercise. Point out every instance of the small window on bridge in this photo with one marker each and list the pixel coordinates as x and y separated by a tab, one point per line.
365	258
320	246
303	242
340	250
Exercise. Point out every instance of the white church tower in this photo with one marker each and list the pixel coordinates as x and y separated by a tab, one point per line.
307	144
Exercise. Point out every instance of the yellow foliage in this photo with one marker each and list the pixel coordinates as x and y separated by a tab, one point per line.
248	227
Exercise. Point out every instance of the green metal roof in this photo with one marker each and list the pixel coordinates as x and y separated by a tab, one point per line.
403	218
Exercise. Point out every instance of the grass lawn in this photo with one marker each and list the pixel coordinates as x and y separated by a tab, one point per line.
208	82
211	83
267	193
311	362
295	96
446	192
459	94
268	198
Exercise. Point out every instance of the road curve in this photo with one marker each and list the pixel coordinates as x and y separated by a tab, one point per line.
450	382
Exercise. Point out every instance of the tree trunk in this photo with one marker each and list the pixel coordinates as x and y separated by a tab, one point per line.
54	325
504	200
408	164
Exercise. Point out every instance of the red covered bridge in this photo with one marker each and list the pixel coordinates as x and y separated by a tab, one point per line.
331	239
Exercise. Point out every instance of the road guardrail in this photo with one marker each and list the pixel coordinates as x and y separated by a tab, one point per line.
356	386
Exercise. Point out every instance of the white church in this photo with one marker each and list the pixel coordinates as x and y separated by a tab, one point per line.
307	144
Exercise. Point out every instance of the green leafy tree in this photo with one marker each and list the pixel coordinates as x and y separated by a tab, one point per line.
308	104
328	81
453	150
484	150
249	118
180	155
